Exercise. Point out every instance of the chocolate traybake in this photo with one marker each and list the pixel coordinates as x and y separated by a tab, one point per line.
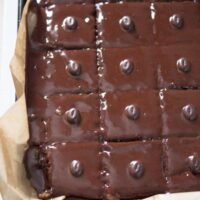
113	98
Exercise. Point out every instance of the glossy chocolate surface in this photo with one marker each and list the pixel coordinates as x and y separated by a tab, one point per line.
48	26
111	31
112	92
180	113
182	164
179	67
61	71
63	181
50	2
64	118
185	27
122	183
158	23
62	159
144	121
128	69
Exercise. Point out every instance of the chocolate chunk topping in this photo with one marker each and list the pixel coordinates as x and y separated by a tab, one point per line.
190	112
76	168
126	66
136	169
74	68
73	116
194	162
132	112
70	23
177	21
183	65
127	23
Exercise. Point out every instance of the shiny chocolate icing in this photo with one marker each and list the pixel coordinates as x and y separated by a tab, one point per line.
112	92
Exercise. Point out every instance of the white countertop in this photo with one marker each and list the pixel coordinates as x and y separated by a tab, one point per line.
8	32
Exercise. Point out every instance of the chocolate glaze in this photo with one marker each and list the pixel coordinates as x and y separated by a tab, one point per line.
175	74
50	2
177	122
53	72
119	127
185	26
104	122
121	182
158	23
47	26
140	73
180	164
63	182
113	35
55	123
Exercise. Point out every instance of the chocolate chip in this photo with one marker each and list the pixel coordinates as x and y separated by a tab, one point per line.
132	112
136	169
76	168
194	163
73	116
190	112
177	21
126	66
127	23
183	65
74	68
71	23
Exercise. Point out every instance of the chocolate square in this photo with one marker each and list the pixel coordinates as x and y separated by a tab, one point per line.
62	26
131	115
181	111
65	118
179	67
60	71
183	164
177	22
128	69
68	168
135	169
128	25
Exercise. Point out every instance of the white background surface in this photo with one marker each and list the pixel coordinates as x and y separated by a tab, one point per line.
8	32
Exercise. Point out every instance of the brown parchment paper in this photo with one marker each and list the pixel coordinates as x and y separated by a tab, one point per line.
14	135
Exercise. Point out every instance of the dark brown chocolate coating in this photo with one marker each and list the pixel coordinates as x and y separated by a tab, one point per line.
53	72
160	23
146	124
113	35
121	182
63	182
140	69
56	124
181	167
47	26
108	116
173	73
184	28
177	119
50	2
